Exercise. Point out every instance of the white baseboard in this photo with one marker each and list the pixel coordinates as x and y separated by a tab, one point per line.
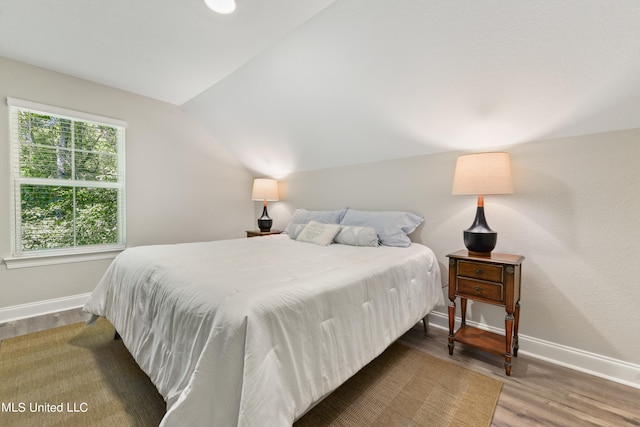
580	360
573	358
24	311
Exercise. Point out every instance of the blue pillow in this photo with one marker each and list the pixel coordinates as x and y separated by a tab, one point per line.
392	226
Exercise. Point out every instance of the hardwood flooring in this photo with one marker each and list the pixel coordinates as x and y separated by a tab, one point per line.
537	393
40	323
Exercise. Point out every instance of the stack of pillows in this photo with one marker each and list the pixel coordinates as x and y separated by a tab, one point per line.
353	227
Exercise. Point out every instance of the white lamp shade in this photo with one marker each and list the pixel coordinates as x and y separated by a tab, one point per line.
265	189
483	173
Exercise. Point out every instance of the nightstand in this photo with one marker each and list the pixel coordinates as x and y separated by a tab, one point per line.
492	279
257	233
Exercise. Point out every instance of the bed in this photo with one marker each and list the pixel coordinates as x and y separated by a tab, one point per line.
255	331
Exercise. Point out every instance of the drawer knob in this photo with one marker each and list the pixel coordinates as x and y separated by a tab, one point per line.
477	271
478	289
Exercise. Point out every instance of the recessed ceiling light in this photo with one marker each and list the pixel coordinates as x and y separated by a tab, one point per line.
221	6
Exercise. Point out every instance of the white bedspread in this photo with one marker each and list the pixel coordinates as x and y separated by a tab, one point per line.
252	332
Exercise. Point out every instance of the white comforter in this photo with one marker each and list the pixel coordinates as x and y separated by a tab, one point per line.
252	332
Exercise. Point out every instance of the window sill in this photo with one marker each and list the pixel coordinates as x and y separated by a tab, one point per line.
59	258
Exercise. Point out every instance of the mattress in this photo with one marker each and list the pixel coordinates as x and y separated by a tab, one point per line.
253	332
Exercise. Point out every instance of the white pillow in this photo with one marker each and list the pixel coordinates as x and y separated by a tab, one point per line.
318	233
357	236
303	216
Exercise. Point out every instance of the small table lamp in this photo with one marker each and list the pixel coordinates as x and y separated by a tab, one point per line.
483	173
265	190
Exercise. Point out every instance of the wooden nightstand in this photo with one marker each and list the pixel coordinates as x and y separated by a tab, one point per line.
493	279
256	233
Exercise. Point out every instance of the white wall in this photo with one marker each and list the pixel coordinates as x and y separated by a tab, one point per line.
181	185
574	216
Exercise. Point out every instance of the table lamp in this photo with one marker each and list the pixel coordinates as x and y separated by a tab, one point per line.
265	190
481	174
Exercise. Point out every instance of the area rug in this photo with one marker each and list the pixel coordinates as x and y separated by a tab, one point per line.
74	375
79	375
405	387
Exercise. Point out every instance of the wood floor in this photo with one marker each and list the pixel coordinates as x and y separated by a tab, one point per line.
538	393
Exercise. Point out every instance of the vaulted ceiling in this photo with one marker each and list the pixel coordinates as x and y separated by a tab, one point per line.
293	85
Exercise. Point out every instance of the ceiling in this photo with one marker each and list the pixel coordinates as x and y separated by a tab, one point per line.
295	85
169	50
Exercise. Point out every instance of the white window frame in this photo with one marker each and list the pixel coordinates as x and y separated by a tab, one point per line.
32	258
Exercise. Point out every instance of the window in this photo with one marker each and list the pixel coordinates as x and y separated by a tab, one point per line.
67	173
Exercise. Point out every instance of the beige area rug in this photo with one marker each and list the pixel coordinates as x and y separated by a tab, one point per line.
405	387
79	370
79	376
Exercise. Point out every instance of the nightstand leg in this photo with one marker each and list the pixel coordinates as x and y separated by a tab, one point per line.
508	329
452	321
463	310
516	322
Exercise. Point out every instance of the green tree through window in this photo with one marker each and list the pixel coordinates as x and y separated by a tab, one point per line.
68	177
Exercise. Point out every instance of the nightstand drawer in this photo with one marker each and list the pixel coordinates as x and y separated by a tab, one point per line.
474	270
479	289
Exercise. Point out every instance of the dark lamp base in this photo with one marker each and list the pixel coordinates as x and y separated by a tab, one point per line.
480	239
264	222
481	243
